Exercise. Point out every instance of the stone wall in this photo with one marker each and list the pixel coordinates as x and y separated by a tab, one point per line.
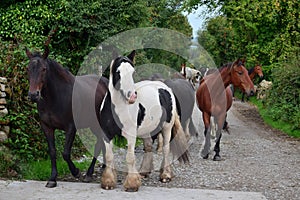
4	128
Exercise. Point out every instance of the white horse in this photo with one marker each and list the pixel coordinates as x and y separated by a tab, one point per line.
192	75
139	110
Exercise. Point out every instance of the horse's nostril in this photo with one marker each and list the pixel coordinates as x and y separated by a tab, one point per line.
251	93
135	92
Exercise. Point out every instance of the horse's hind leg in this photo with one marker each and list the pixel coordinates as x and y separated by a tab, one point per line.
98	147
49	133
166	172
70	136
159	143
192	128
147	163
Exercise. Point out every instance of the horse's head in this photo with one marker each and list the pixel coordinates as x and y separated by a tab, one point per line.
258	71
121	74
36	70
240	77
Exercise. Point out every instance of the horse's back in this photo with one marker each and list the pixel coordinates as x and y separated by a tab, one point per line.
185	94
88	94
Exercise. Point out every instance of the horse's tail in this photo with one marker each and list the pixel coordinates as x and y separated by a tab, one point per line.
179	143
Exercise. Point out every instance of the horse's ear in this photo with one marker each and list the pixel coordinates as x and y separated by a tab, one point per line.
46	52
243	61
28	53
239	62
132	55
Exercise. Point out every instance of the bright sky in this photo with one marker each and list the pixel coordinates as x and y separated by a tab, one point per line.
196	20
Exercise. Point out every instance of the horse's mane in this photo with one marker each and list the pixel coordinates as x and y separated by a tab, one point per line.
250	71
55	67
227	65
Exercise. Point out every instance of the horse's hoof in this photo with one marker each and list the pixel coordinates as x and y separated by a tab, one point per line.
87	179
51	184
165	180
145	174
78	174
205	157
131	189
107	187
217	158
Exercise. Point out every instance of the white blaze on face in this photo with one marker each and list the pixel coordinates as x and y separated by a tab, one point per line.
126	81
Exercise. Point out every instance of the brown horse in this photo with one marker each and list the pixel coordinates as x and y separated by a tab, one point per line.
65	102
253	72
214	98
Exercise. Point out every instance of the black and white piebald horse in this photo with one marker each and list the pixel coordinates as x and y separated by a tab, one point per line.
139	110
185	98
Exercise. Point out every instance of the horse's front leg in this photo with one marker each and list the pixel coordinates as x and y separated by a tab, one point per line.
70	136
147	163
220	122
109	176
166	172
49	133
206	149
243	97
98	147
133	178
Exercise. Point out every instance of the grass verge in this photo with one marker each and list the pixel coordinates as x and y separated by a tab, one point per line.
41	169
278	124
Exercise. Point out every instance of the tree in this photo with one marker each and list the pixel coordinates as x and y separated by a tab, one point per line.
80	26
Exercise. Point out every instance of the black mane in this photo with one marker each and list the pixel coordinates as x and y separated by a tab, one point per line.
250	71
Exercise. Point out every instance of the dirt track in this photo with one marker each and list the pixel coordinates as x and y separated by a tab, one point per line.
255	158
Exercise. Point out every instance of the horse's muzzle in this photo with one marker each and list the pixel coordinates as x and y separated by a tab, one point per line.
250	93
34	96
132	97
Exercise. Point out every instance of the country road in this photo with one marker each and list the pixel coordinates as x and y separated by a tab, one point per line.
258	162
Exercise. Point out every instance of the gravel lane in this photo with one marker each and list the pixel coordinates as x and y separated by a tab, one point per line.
255	158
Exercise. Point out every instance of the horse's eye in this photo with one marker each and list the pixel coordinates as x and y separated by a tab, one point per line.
240	72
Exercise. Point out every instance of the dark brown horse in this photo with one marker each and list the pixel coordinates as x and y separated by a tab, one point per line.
214	98
65	102
253	72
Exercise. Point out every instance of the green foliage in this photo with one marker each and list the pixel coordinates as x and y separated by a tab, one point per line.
218	40
264	32
41	169
8	163
269	119
25	135
80	26
284	98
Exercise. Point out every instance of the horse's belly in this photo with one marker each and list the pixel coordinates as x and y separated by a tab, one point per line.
147	96
151	121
